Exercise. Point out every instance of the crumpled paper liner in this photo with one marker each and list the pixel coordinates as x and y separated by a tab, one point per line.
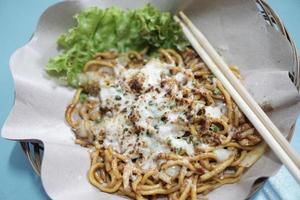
236	30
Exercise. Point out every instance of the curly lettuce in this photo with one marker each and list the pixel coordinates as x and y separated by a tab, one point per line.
113	29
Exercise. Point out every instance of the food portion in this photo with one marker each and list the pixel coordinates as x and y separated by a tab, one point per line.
157	121
159	126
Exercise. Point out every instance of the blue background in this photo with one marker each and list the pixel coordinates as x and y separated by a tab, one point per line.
18	20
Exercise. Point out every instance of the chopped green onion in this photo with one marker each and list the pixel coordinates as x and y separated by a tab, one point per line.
214	128
82	97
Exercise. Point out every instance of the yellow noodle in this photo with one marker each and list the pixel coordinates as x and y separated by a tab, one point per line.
194	188
178	162
227	99
106	55
242	156
113	172
217	169
186	190
167	56
94	65
147	175
150	187
136	182
115	169
71	107
178	58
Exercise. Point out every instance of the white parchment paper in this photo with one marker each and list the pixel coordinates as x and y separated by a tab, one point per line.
234	27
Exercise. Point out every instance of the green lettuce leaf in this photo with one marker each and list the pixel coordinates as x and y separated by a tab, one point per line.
113	29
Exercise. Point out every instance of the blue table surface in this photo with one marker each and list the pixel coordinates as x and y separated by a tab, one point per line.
18	20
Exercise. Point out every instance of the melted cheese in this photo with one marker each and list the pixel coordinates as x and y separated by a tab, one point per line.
128	142
169	130
129	73
173	171
197	106
153	71
214	112
168	134
190	84
182	144
151	150
180	77
222	154
204	146
173	116
164	177
154	103
113	131
108	93
222	106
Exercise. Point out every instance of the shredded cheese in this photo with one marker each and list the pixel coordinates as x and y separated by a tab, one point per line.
141	117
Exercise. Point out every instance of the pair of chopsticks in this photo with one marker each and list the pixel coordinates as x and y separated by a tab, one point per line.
241	96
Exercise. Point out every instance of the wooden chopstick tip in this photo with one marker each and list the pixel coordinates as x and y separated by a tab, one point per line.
183	16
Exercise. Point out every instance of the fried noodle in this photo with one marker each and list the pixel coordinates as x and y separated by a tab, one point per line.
194	145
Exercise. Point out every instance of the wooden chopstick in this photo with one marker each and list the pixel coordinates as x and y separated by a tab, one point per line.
240	89
239	98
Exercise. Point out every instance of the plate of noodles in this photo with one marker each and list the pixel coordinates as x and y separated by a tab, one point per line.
139	114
